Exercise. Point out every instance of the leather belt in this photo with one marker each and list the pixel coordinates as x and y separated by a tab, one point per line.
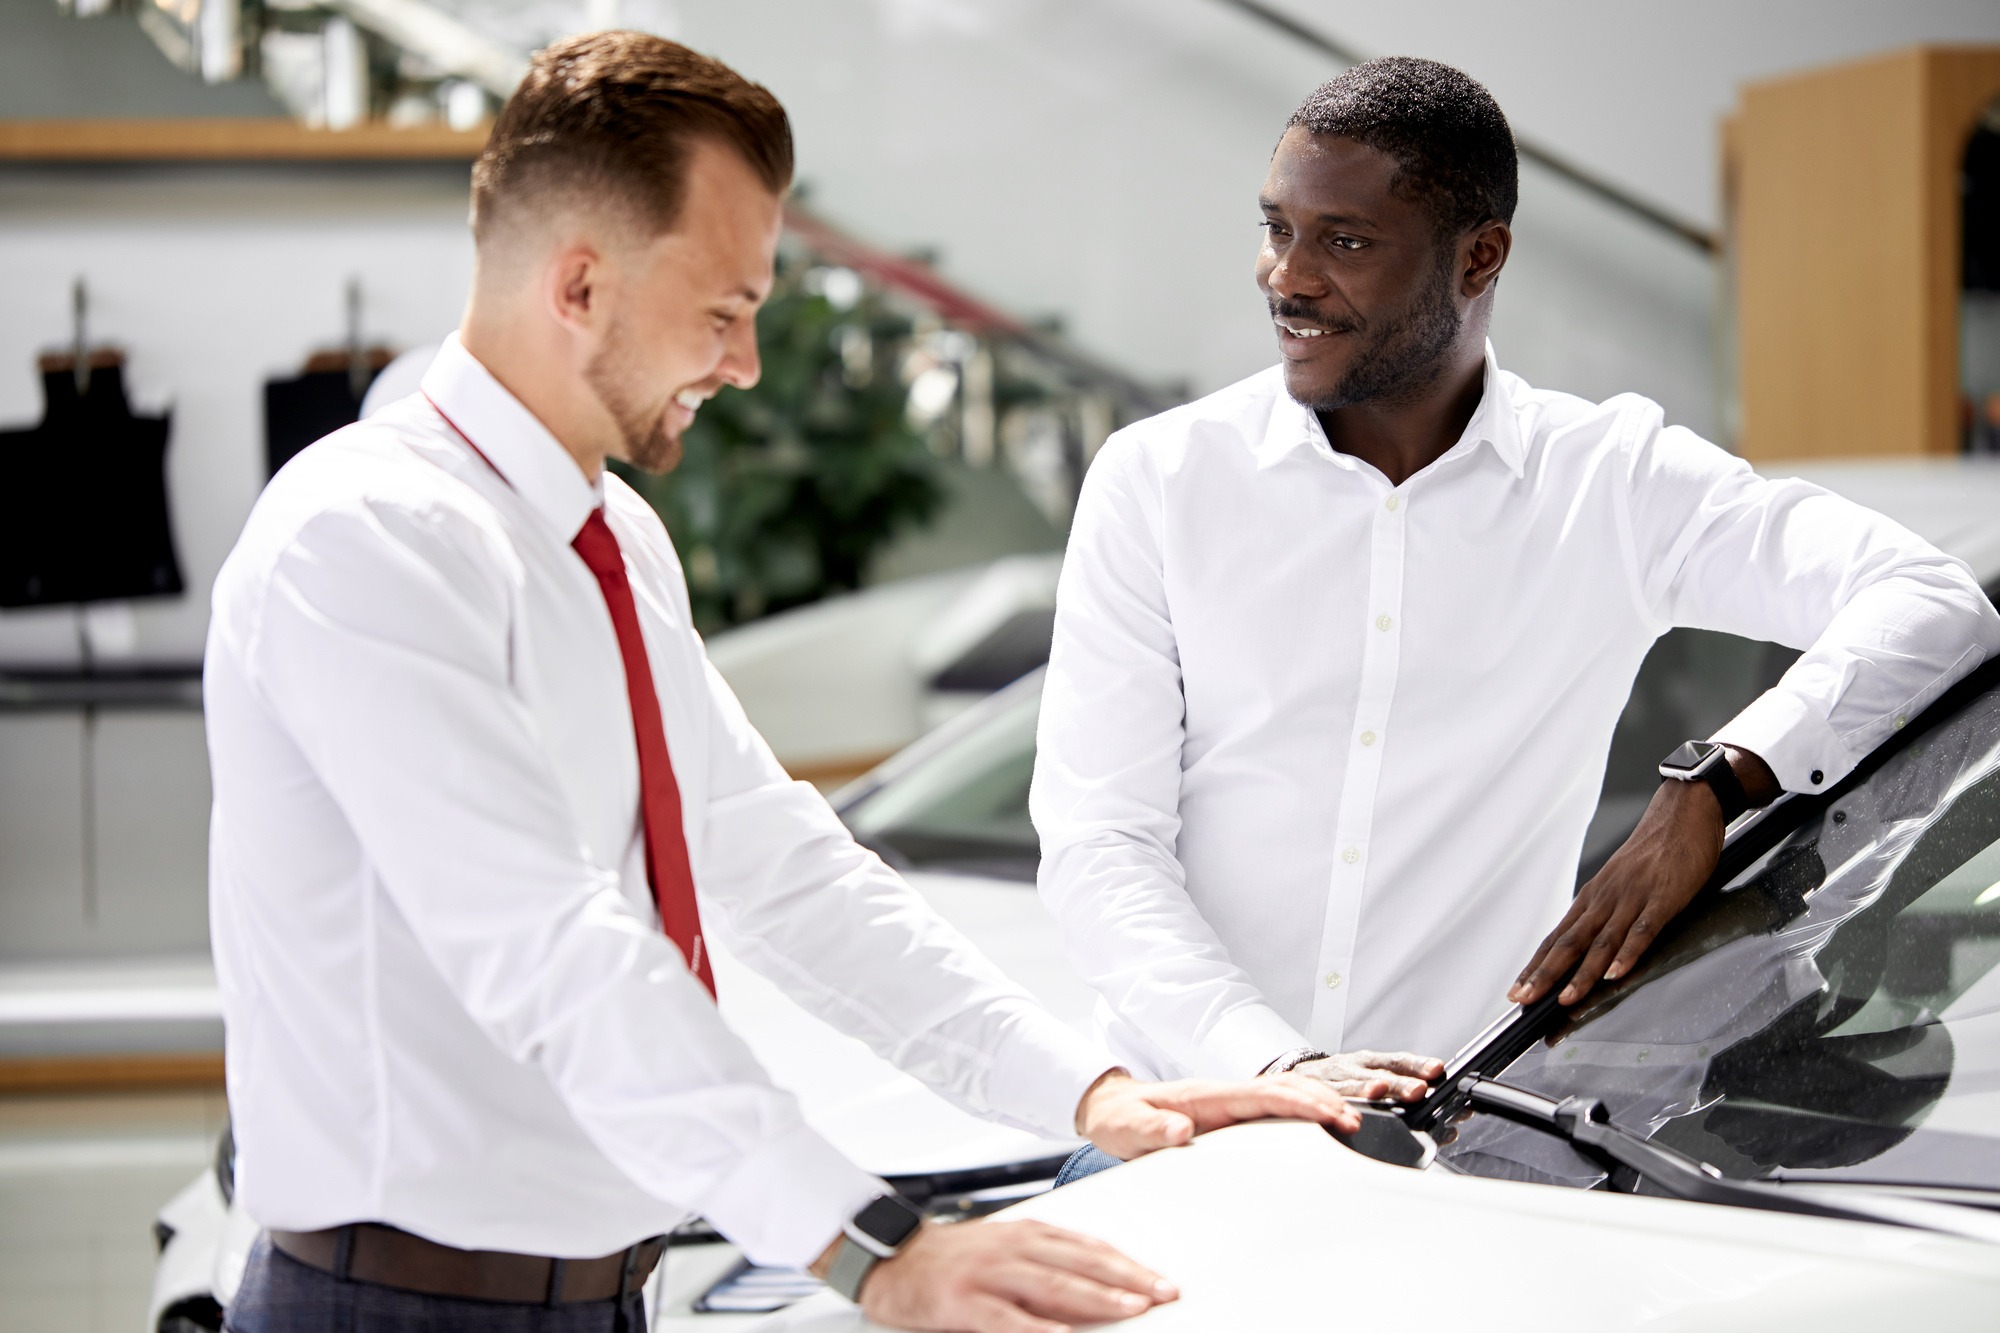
388	1257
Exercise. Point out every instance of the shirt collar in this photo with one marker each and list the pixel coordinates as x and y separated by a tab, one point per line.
518	445
1493	421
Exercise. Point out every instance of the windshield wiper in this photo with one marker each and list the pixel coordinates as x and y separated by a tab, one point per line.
1585	1125
1503	1042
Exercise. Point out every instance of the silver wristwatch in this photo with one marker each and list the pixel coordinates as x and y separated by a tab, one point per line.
1291	1060
870	1236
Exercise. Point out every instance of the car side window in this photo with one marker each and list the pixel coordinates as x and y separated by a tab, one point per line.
964	806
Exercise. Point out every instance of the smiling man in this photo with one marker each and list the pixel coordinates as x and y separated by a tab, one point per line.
479	798
1339	649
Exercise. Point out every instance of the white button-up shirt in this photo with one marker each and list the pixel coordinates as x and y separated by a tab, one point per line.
449	1004
1317	753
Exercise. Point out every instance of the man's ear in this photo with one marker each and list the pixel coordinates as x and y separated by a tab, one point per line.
573	286
1482	254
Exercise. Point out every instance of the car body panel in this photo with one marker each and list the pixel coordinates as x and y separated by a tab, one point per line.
1279	1226
193	1223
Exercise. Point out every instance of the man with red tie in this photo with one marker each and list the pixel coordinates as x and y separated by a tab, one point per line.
478	795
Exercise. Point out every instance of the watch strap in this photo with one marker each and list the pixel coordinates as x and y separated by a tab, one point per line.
850	1268
1728	788
1291	1060
882	1227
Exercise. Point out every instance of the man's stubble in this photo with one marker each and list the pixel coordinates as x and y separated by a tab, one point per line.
1408	353
619	382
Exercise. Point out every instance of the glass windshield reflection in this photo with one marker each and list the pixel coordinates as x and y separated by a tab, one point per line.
962	805
1834	1013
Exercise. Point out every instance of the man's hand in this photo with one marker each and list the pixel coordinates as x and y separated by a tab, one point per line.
1374	1075
1005	1277
1645	884
1129	1118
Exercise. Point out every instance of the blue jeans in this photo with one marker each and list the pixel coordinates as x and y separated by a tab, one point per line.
281	1295
1085	1161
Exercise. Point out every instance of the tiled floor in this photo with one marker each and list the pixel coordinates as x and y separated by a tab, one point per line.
80	1181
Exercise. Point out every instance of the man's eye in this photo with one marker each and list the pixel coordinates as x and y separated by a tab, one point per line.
1349	243
1272	228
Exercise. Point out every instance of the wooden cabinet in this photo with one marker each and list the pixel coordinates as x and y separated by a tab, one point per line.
1843	192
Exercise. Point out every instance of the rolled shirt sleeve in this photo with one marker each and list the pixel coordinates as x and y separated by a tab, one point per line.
1887	622
1106	793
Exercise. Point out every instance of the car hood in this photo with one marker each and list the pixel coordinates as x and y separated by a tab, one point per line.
1279	1226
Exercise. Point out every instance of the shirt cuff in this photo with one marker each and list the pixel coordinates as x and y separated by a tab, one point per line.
1040	1073
785	1202
1243	1041
1789	735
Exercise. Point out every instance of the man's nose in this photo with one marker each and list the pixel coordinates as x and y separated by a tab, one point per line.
1291	279
740	363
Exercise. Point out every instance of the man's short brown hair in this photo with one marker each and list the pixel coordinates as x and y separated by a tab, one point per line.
610	118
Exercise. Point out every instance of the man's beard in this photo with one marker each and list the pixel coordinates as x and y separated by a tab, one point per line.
611	374
1407	353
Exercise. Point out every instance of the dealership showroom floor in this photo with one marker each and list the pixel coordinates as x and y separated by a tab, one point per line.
1347	693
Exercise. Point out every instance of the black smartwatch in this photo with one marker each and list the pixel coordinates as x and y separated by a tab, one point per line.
870	1236
1705	761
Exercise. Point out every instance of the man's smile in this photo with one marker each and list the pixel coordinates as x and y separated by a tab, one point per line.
1297	337
689	402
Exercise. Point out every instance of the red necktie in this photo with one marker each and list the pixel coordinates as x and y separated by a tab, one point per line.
659	794
667	868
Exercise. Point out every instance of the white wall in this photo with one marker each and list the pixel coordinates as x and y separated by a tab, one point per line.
213	280
1635	91
1098	159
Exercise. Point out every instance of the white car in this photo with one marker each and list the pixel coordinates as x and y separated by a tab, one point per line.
1788	1116
838	686
1810	1062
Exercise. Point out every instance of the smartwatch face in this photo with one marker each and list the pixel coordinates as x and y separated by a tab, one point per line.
888	1220
1689	757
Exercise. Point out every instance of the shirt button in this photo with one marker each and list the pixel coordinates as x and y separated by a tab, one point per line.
1351	855
1392	502
1900	720
1332	980
1367	738
1383	623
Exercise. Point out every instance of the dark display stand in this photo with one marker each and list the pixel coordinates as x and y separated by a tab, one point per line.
83	507
316	403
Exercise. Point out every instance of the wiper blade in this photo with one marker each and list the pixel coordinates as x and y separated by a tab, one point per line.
1503	1042
1586	1125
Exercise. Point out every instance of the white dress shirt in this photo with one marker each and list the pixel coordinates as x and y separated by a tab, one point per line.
449	1004
1317	753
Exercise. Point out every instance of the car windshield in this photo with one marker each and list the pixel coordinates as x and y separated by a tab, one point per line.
1832	1012
958	800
